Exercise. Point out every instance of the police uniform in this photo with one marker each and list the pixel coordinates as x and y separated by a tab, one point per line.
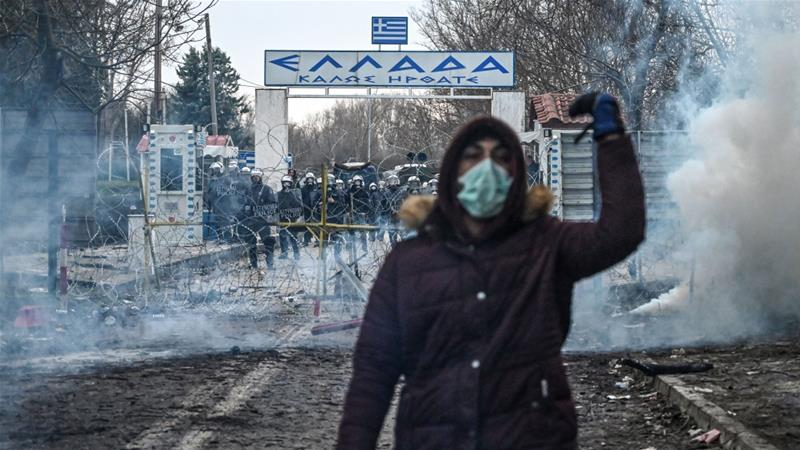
260	210
290	209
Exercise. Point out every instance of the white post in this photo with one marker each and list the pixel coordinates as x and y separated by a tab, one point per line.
509	106
369	125
272	132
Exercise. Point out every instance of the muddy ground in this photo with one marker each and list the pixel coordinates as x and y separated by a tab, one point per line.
289	396
757	384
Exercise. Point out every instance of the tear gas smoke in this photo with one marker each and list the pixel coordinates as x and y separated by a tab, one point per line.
740	199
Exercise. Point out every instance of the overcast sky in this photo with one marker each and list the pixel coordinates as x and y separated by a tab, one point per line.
245	28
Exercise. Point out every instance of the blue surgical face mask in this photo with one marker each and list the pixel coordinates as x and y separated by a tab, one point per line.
485	188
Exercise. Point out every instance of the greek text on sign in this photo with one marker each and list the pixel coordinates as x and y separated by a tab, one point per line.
388	69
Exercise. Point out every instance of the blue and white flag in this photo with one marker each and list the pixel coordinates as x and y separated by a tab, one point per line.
390	30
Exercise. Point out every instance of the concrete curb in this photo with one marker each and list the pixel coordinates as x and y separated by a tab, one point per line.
733	434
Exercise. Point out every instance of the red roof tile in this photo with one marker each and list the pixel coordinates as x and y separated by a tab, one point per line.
552	111
222	139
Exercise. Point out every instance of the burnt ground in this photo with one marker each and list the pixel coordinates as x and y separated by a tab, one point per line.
287	397
758	385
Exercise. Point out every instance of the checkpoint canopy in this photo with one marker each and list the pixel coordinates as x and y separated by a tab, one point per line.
402	69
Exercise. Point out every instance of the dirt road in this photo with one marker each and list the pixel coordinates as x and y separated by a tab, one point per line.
289	396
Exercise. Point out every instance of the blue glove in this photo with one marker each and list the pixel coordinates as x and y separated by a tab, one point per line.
605	111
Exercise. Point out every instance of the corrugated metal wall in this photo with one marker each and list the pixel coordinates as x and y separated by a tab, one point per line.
571	173
577	194
660	153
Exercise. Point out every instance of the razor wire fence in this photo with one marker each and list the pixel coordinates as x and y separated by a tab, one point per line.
121	258
128	256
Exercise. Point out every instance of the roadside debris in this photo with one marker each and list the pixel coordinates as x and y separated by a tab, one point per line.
707	437
653	369
334	327
702	390
625	383
31	316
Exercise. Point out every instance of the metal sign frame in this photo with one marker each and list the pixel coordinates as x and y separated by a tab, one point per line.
329	72
392	94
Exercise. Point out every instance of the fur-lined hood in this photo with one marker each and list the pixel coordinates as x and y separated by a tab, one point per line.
416	208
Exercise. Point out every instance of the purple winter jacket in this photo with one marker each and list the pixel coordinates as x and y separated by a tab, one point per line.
476	326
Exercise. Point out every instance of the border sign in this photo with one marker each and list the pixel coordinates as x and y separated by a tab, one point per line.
390	30
403	69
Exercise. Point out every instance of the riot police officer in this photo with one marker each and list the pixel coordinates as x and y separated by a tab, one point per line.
290	209
395	196
338	203
414	185
213	189
376	207
228	203
433	186
360	208
260	210
309	194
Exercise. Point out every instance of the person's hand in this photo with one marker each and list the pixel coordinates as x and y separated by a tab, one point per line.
605	111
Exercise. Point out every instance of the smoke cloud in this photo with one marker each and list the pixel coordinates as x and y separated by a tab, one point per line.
740	198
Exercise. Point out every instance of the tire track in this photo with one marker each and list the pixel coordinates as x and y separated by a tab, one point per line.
249	385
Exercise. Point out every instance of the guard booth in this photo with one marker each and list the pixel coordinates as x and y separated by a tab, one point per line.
170	181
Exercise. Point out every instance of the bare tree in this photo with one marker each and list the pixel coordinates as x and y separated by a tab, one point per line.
397	127
91	52
636	49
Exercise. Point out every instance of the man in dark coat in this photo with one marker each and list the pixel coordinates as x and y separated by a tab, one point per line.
474	310
260	210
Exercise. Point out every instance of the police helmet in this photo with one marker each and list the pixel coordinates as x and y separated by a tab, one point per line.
381	184
319	180
393	180
413	181
245	170
358	179
215	166
309	178
256	173
286	178
339	182
373	186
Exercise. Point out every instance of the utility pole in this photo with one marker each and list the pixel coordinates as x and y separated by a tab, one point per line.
212	88
127	141
369	125
157	112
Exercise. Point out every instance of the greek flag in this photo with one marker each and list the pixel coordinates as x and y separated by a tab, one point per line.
390	30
